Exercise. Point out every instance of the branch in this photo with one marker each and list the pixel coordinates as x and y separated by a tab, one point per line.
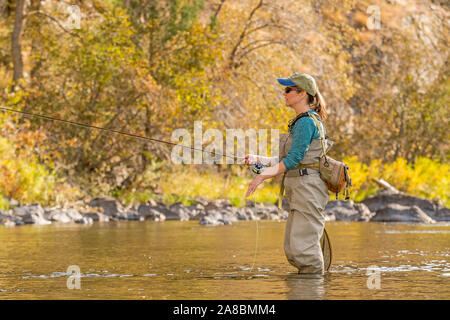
54	19
243	33
261	46
256	41
213	18
270	25
385	185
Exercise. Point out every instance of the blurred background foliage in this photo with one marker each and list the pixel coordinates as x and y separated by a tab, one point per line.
152	66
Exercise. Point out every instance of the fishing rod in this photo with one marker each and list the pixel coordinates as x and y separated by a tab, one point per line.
257	168
114	131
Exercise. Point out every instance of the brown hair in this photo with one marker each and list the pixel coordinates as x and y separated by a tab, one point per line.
318	104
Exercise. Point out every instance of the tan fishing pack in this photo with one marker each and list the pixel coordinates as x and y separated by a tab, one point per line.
333	172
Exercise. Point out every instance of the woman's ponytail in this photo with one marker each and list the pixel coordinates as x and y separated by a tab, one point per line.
318	104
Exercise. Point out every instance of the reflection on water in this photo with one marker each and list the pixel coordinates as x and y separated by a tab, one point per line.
182	260
305	287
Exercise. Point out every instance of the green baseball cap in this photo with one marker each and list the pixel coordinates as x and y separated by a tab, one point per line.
302	80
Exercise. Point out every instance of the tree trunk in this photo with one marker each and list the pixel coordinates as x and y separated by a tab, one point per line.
36	41
16	48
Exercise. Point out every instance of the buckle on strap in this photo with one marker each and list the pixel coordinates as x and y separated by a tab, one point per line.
303	171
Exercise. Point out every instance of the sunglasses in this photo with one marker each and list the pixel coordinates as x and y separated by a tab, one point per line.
289	89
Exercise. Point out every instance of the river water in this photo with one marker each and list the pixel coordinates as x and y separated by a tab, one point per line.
183	260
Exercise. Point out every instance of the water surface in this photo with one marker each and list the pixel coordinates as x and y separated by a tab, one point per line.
183	260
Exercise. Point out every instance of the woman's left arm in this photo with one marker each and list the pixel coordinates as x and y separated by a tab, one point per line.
266	174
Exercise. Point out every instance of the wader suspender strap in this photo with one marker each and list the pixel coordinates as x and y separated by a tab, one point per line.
322	137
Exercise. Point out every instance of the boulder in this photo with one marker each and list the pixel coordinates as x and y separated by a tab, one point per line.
63	215
267	211
133	216
85	220
442	214
229	217
433	208
218	204
283	214
215	217
246	213
209	220
395	212
57	216
251	214
178	211
9	220
97	216
111	206
196	211
8	223
146	211
31	214
153	212
202	200
242	214
342	210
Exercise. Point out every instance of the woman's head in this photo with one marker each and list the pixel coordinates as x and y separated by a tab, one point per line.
302	88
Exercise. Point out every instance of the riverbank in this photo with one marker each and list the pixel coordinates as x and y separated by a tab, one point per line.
385	206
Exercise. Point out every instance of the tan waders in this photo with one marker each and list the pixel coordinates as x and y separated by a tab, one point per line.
307	196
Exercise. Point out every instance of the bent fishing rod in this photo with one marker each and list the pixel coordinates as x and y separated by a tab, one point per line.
29	114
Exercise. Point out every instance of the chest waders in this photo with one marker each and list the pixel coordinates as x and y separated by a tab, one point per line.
306	243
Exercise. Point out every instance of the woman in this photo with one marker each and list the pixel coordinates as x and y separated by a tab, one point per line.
306	192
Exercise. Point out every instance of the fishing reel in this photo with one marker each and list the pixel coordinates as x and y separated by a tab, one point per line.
258	168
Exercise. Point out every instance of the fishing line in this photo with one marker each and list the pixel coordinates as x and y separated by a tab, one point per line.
114	131
29	114
257	232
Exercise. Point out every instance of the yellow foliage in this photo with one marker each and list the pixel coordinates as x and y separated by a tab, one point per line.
426	178
213	185
23	178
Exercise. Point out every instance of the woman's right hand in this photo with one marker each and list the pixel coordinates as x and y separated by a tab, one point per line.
251	159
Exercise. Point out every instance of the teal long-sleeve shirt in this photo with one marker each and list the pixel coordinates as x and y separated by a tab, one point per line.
303	132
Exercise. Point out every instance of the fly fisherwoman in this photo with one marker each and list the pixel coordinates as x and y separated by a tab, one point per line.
306	193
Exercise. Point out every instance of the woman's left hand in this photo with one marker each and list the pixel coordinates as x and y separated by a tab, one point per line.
253	185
